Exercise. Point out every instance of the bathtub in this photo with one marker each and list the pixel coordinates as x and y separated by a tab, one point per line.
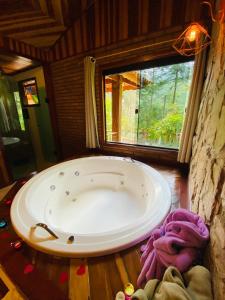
90	206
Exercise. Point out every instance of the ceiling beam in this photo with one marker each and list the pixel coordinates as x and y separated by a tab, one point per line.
20	15
130	82
43	6
30	25
36	32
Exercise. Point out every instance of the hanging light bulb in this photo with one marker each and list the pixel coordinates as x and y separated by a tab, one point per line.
193	33
193	40
196	38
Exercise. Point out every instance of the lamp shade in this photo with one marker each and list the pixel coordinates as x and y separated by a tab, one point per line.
193	40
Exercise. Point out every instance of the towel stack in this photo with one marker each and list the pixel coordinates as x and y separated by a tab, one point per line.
178	242
171	261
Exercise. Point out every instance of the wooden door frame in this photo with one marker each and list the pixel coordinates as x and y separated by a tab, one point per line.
5	172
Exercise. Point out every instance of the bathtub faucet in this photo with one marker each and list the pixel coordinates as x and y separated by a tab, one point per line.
45	226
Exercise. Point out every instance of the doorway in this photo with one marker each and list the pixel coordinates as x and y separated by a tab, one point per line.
25	127
14	131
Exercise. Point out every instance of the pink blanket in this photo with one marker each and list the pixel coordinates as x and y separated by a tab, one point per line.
178	242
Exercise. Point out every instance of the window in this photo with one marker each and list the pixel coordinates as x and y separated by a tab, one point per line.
144	105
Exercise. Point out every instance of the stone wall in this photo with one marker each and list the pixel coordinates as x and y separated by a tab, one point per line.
207	169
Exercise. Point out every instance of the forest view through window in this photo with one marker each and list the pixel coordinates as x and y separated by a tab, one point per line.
146	107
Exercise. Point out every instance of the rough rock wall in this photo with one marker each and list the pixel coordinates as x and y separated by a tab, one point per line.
207	170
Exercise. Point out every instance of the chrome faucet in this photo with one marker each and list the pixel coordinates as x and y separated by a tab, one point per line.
45	226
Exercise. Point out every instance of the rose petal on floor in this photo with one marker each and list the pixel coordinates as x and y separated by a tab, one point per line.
81	270
63	277
28	269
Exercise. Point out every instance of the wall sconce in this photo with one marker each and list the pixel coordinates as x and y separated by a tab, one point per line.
193	40
195	37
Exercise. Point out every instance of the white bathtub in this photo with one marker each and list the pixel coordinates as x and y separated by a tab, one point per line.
105	203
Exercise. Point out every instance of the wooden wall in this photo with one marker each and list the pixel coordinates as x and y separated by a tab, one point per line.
39	22
23	49
68	87
108	22
68	81
115	32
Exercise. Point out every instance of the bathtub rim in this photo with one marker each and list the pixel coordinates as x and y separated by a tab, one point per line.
124	229
124	245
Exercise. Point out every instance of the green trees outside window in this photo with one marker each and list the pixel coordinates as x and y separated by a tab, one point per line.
146	107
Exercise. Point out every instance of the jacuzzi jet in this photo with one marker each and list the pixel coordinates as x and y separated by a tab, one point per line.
70	239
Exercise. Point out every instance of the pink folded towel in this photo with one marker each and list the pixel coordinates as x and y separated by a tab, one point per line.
176	243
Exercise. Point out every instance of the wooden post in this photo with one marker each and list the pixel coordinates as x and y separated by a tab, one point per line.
117	89
52	108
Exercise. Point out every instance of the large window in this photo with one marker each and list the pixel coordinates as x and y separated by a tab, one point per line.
145	105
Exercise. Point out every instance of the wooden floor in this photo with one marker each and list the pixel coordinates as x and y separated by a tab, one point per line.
30	274
4	191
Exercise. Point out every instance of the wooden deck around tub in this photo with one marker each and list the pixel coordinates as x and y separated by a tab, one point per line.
29	274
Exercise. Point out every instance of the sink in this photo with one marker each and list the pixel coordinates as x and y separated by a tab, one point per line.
10	140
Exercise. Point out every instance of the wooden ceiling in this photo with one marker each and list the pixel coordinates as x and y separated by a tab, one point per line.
130	81
38	22
109	22
11	63
51	30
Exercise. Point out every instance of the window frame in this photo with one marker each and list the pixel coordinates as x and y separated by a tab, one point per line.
152	154
163	61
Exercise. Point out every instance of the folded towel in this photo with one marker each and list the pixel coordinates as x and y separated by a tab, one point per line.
177	242
194	285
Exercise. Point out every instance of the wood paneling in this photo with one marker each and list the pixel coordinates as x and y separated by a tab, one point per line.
109	21
115	32
11	63
62	23
68	83
68	80
15	47
52	108
38	22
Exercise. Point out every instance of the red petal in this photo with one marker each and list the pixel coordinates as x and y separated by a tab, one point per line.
63	277
5	235
81	270
28	269
8	201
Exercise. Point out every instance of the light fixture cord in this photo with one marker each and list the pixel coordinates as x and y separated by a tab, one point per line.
221	11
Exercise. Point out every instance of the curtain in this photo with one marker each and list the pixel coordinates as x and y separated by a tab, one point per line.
92	140
192	109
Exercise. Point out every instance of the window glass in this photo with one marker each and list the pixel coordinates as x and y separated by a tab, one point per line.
146	106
